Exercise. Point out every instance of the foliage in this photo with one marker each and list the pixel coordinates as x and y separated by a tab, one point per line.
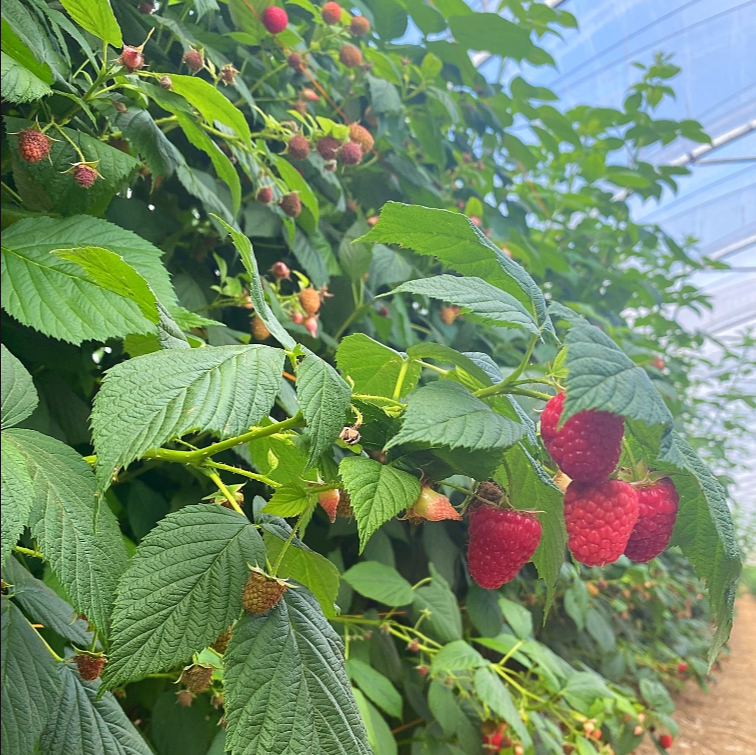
152	454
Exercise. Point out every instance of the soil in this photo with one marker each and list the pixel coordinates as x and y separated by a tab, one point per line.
722	722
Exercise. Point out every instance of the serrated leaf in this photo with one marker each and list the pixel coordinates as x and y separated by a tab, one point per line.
488	303
375	686
80	540
296	182
324	398
19	396
583	688
430	350
30	682
280	458
18	83
457	656
16	48
87	724
492	691
181	590
153	145
96	16
17	496
447	414
289	500
379	582
375	368
148	400
378	492
656	695
290	660
444	706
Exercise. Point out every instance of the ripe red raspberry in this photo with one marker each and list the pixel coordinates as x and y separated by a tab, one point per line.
309	298
228	74
265	195
328	147
502	541
665	741
329	500
599	518
259	329
85	175
291	204
587	447
682	668
275	19
657	512
361	136
431	506
280	271
131	58
311	325
359	26
194	60
331	13
90	666
33	145
295	62
299	147
197	678
350	56
350	154
262	592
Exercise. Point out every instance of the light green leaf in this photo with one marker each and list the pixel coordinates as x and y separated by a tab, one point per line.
491	33
576	602
442	353
518	617
444	706
457	656
30	682
487	302
181	590
18	83
80	540
447	414
308	251
375	368
17	49
96	16
290	659
19	396
495	695
324	398
375	686
378	492
148	400
280	458
289	500
600	629
379	582
17	495
583	688
296	182
384	96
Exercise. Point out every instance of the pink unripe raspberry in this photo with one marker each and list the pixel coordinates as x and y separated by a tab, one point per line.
85	175
311	325
432	506
297	317
295	62
275	19
264	195
131	58
350	154
350	56
331	13
280	270
329	500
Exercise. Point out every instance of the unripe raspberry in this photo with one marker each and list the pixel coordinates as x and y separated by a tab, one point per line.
331	13
476	221
280	271
329	500
311	325
360	135
309	299
184	698
518	750
228	74
328	147
275	19
350	154
259	329
657	513
197	678
423	670
90	666
194	60
33	145
146	7
350	56
489	491
413	646
359	25
448	314
372	221
264	195
638	730
432	506
309	94
166	82
262	592
345	509
291	204
221	643
295	62
85	175
297	317
665	741
131	58
299	147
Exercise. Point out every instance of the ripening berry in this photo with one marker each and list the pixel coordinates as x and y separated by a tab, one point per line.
275	19
309	94
90	666
146	7
85	175
665	741
264	195
309	299
194	60
33	145
328	147
476	221
184	698
131	58
299	147
297	317
350	56
262	592
331	13
295	62
448	314
259	329
228	74
166	82
423	670
518	750
432	506
361	136
350	154
197	678
329	500
311	325
638	730
221	643
291	204
359	26
280	271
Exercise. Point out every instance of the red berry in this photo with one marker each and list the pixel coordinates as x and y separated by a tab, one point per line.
328	147
84	175
262	592
265	195
350	154
309	298
329	500
299	147
131	58
502	541
587	447
359	26
295	62
350	56
599	518
291	204
280	270
362	136
657	512
33	145
682	668
665	741
431	506
311	325
197	678
275	19
194	60
90	666
331	12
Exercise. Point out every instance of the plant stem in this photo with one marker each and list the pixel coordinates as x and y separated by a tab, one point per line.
29	552
288	542
400	380
494	390
244	473
230	497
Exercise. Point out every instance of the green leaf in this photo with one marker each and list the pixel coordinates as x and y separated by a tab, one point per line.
15	47
447	414
442	353
30	682
379	582
80	540
384	96
492	33
492	691
147	138
289	500
375	368
151	399
576	602
445	620
296	182
324	398
309	568
290	660
17	495
379	734
518	617
375	686
86	723
583	688
444	706
280	458
656	695
378	492
457	656
488	303
18	83
181	590
19	396
600	629
96	16
484	612
454	240
309	253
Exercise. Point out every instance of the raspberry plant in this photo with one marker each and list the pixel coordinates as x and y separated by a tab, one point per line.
278	331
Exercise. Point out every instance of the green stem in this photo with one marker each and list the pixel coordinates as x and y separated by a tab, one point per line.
230	497
355	314
400	380
244	473
433	367
532	394
29	552
494	390
377	399
288	542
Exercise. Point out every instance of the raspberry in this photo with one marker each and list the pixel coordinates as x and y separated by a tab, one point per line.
228	74
657	512
85	175
295	62
331	13
328	147
90	666
197	678
350	56
665	741
329	500
345	509
300	107
309	94
599	518
502	541
372	221
33	145
311	325
448	314
262	592
494	736
184	698
131	58
194	60
350	154
264	195
280	271
297	317
431	506
291	204
309	298
361	136
682	668
359	26
146	8
221	643
350	435
587	447
275	19
166	82
299	147
259	329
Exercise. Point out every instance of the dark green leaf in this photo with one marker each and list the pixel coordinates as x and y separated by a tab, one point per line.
375	686
19	396
492	33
